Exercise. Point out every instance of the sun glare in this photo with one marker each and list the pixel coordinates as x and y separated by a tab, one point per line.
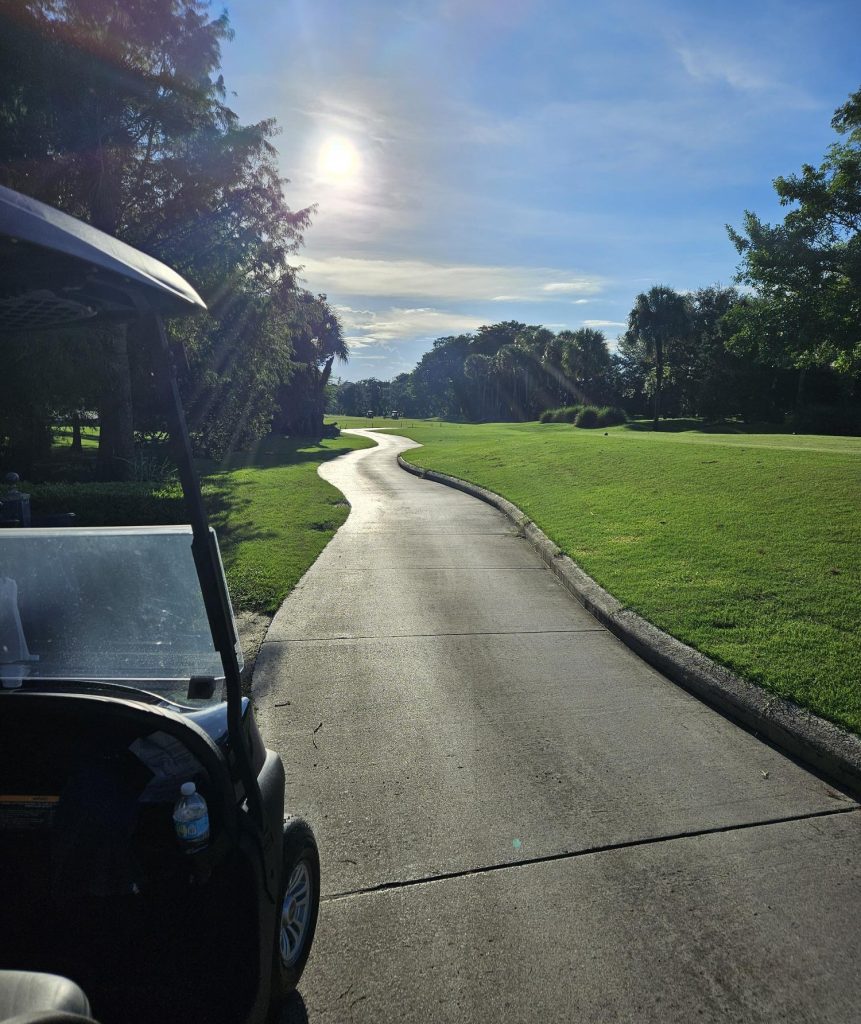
338	160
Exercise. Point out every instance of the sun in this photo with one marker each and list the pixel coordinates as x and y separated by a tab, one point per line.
338	160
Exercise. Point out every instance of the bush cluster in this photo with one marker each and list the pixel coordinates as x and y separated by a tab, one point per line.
826	419
567	414
586	415
109	504
611	416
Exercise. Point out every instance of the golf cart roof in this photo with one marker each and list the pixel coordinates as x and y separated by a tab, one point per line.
58	271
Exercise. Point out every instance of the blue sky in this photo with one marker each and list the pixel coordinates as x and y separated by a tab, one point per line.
483	160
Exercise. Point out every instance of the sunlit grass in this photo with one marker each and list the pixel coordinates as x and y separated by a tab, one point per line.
746	546
62	437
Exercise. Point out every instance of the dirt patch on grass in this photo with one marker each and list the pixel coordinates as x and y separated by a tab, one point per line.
252	628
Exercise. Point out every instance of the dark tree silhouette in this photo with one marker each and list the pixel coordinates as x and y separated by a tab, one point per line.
659	319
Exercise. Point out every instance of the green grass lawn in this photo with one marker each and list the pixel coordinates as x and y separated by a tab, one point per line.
63	437
745	546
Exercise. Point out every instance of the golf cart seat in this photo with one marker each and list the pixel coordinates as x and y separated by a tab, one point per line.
34	998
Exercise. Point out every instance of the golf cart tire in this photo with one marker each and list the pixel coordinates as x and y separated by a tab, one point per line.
301	864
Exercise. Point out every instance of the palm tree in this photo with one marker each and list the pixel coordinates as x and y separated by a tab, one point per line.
586	362
659	319
479	369
557	386
507	367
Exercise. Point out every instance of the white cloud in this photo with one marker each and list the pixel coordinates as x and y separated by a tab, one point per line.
604	323
749	74
397	324
703	65
566	287
345	275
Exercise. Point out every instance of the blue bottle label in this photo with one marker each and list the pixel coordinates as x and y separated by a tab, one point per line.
190	831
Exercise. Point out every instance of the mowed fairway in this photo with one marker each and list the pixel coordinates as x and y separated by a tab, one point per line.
746	546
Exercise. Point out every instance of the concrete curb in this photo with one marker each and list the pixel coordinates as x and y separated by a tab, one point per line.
825	747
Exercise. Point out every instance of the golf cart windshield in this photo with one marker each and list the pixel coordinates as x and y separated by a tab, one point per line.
120	605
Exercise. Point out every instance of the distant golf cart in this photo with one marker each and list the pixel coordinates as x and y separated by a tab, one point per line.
120	682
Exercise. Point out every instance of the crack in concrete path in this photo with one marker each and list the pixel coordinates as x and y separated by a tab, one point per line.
576	854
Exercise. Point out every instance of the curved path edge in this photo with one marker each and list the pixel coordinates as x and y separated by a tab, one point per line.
825	747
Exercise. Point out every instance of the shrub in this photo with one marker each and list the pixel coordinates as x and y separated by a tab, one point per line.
114	504
567	414
64	467
611	416
587	417
153	466
825	419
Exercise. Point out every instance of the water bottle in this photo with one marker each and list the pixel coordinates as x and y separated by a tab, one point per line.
191	819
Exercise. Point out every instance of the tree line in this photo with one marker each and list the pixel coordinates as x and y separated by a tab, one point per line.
785	348
115	111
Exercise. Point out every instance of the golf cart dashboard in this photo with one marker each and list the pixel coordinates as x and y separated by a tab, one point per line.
92	781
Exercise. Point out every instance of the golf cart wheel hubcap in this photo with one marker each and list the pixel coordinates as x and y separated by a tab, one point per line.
295	913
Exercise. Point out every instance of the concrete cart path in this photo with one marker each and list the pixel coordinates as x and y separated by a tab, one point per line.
520	820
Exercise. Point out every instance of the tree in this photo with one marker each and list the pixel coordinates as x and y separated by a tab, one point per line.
114	112
487	384
586	363
439	382
557	384
504	371
660	319
478	369
317	342
806	272
490	338
506	367
401	395
30	397
231	387
531	345
713	380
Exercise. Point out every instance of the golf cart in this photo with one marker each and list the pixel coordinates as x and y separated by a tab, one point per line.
119	687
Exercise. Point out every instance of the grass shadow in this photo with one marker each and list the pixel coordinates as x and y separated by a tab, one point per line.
225	498
271	452
678	426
